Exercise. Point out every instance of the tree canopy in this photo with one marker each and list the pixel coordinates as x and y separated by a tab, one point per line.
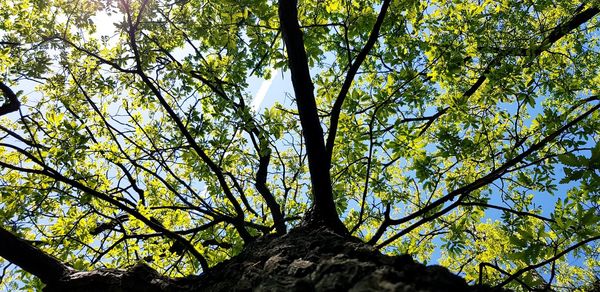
463	132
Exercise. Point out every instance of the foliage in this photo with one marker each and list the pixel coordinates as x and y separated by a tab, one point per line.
460	131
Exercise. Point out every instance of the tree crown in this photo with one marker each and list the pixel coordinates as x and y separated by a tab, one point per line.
465	131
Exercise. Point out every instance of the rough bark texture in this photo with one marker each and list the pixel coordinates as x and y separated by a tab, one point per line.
306	259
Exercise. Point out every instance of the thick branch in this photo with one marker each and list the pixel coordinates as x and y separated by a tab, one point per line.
51	173
360	58
11	103
30	258
556	34
261	186
323	205
475	185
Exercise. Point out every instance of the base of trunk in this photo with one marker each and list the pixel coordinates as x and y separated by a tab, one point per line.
305	259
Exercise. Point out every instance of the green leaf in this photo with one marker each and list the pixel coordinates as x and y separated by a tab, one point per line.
569	159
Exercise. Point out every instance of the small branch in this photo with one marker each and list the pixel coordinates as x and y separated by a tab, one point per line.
360	220
495	267
520	272
519	213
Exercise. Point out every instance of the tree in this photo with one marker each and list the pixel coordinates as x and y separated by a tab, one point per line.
464	131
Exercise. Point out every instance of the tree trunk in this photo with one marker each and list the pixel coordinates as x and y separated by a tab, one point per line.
323	208
305	259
